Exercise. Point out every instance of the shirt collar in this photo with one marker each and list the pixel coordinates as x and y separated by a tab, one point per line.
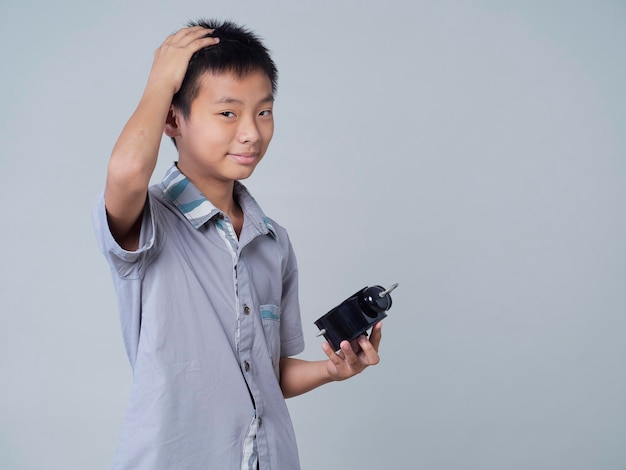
197	209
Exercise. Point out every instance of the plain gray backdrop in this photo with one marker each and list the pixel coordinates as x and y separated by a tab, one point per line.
474	152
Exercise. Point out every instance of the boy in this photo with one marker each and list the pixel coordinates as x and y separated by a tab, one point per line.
206	284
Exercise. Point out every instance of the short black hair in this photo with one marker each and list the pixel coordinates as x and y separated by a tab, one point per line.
239	51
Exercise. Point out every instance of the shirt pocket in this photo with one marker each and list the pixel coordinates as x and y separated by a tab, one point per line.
270	317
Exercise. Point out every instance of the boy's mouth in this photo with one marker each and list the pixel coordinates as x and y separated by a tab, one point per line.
243	158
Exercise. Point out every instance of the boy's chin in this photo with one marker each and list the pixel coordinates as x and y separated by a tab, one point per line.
242	174
246	171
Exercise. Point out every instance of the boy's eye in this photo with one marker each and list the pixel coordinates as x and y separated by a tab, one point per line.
227	114
267	112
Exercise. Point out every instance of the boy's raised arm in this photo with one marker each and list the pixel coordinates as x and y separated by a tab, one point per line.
135	154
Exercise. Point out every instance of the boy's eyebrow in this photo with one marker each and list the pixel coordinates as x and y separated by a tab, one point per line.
229	100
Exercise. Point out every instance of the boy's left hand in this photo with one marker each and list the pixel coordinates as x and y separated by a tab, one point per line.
346	362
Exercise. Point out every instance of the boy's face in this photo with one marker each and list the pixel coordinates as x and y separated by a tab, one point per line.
228	129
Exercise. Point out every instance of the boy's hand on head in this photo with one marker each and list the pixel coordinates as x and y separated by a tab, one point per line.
346	363
171	59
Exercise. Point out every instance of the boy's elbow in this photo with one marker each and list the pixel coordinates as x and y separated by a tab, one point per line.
286	390
125	196
127	173
281	379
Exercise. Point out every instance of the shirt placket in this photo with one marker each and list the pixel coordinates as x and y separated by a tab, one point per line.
245	331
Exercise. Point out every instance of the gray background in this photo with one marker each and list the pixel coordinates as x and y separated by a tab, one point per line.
474	152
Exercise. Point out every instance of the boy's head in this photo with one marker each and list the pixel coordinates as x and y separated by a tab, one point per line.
221	119
239	52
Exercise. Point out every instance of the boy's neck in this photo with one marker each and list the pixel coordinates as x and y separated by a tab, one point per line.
219	192
221	195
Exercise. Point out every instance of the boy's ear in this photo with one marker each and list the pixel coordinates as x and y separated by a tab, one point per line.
171	128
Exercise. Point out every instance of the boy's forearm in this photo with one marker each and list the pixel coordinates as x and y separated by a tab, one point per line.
135	153
298	376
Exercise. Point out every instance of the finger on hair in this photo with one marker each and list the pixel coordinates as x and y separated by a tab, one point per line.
191	34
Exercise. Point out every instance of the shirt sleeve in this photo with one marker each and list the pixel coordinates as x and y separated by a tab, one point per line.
127	264
292	339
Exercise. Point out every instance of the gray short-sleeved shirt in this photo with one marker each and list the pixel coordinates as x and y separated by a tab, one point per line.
205	319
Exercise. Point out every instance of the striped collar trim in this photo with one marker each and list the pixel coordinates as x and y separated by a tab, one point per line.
197	209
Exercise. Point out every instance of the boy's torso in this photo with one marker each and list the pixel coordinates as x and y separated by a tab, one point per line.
206	320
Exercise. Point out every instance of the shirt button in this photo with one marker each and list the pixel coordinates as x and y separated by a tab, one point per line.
246	366
260	421
246	309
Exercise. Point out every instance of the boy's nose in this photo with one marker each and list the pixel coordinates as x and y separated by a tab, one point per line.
249	132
